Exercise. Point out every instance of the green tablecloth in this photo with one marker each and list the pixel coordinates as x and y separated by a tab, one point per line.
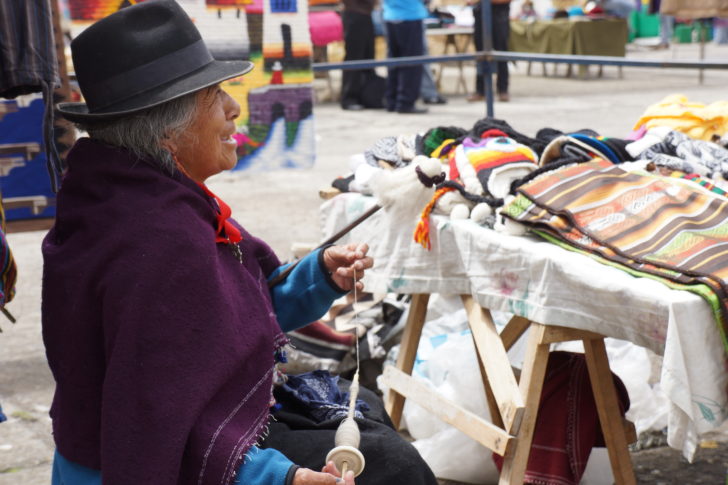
603	37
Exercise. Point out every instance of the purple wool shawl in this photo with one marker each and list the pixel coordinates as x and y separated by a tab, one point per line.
161	343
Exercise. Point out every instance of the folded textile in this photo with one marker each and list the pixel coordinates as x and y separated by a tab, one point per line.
698	120
317	346
613	148
567	425
329	344
318	393
678	151
652	224
579	147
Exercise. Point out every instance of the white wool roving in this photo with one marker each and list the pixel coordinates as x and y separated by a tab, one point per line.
481	212
509	226
460	212
447	202
402	186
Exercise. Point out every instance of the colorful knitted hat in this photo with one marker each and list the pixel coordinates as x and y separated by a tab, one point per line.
489	165
433	138
599	145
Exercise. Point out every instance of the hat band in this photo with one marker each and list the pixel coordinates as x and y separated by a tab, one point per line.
148	76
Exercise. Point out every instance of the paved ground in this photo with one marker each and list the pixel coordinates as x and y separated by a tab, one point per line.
282	207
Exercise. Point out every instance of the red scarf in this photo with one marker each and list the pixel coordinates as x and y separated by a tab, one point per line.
226	231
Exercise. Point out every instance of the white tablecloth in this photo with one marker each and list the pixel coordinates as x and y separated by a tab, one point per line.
543	282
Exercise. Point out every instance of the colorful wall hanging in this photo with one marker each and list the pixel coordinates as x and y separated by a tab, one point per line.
24	182
275	128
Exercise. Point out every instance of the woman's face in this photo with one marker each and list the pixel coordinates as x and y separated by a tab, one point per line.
207	147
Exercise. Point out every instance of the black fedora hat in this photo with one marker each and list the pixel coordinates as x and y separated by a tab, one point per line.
140	57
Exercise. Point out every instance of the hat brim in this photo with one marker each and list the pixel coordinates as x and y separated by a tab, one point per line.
209	75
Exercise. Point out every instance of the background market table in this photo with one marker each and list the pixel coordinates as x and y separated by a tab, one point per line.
457	40
600	37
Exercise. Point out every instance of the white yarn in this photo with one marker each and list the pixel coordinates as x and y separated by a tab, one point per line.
481	212
447	202
402	186
512	227
459	212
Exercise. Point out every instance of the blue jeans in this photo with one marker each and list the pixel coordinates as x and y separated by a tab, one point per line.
404	39
667	23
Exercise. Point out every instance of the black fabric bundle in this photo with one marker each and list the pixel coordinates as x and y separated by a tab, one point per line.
487	123
389	458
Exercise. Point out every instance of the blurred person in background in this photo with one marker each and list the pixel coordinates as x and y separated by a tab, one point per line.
403	23
500	18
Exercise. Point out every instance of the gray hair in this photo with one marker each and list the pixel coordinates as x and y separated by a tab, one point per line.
143	133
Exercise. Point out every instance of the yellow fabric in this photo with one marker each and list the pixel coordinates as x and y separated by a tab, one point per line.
436	152
422	231
697	120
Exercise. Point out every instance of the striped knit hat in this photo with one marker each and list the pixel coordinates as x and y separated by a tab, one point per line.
489	165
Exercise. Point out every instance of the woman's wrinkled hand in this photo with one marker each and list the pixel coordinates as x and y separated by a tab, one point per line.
345	262
329	475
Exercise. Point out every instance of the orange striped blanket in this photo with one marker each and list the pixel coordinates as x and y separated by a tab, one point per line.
653	225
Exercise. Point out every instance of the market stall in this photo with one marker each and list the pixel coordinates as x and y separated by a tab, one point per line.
600	37
557	294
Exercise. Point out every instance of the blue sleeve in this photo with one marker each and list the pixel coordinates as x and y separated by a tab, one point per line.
265	467
260	467
306	294
69	473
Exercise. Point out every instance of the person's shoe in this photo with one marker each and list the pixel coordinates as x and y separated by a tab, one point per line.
504	97
475	97
412	110
436	100
352	107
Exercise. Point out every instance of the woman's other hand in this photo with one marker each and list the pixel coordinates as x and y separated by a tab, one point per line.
329	475
345	262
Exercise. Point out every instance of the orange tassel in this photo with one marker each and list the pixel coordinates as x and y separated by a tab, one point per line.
422	231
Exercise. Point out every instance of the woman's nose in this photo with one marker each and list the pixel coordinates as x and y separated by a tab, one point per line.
232	107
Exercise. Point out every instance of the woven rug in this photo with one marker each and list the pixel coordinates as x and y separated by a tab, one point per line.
668	228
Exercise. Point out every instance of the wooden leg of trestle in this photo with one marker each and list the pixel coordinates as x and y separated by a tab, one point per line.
495	416
407	352
610	417
532	376
497	367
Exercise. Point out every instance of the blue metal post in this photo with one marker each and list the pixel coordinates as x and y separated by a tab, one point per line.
486	18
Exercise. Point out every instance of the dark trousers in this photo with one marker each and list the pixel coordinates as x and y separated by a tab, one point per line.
501	30
403	83
359	45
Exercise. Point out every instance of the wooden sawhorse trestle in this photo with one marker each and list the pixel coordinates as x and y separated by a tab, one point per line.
513	404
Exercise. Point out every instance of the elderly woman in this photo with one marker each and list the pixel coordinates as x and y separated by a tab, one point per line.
159	325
